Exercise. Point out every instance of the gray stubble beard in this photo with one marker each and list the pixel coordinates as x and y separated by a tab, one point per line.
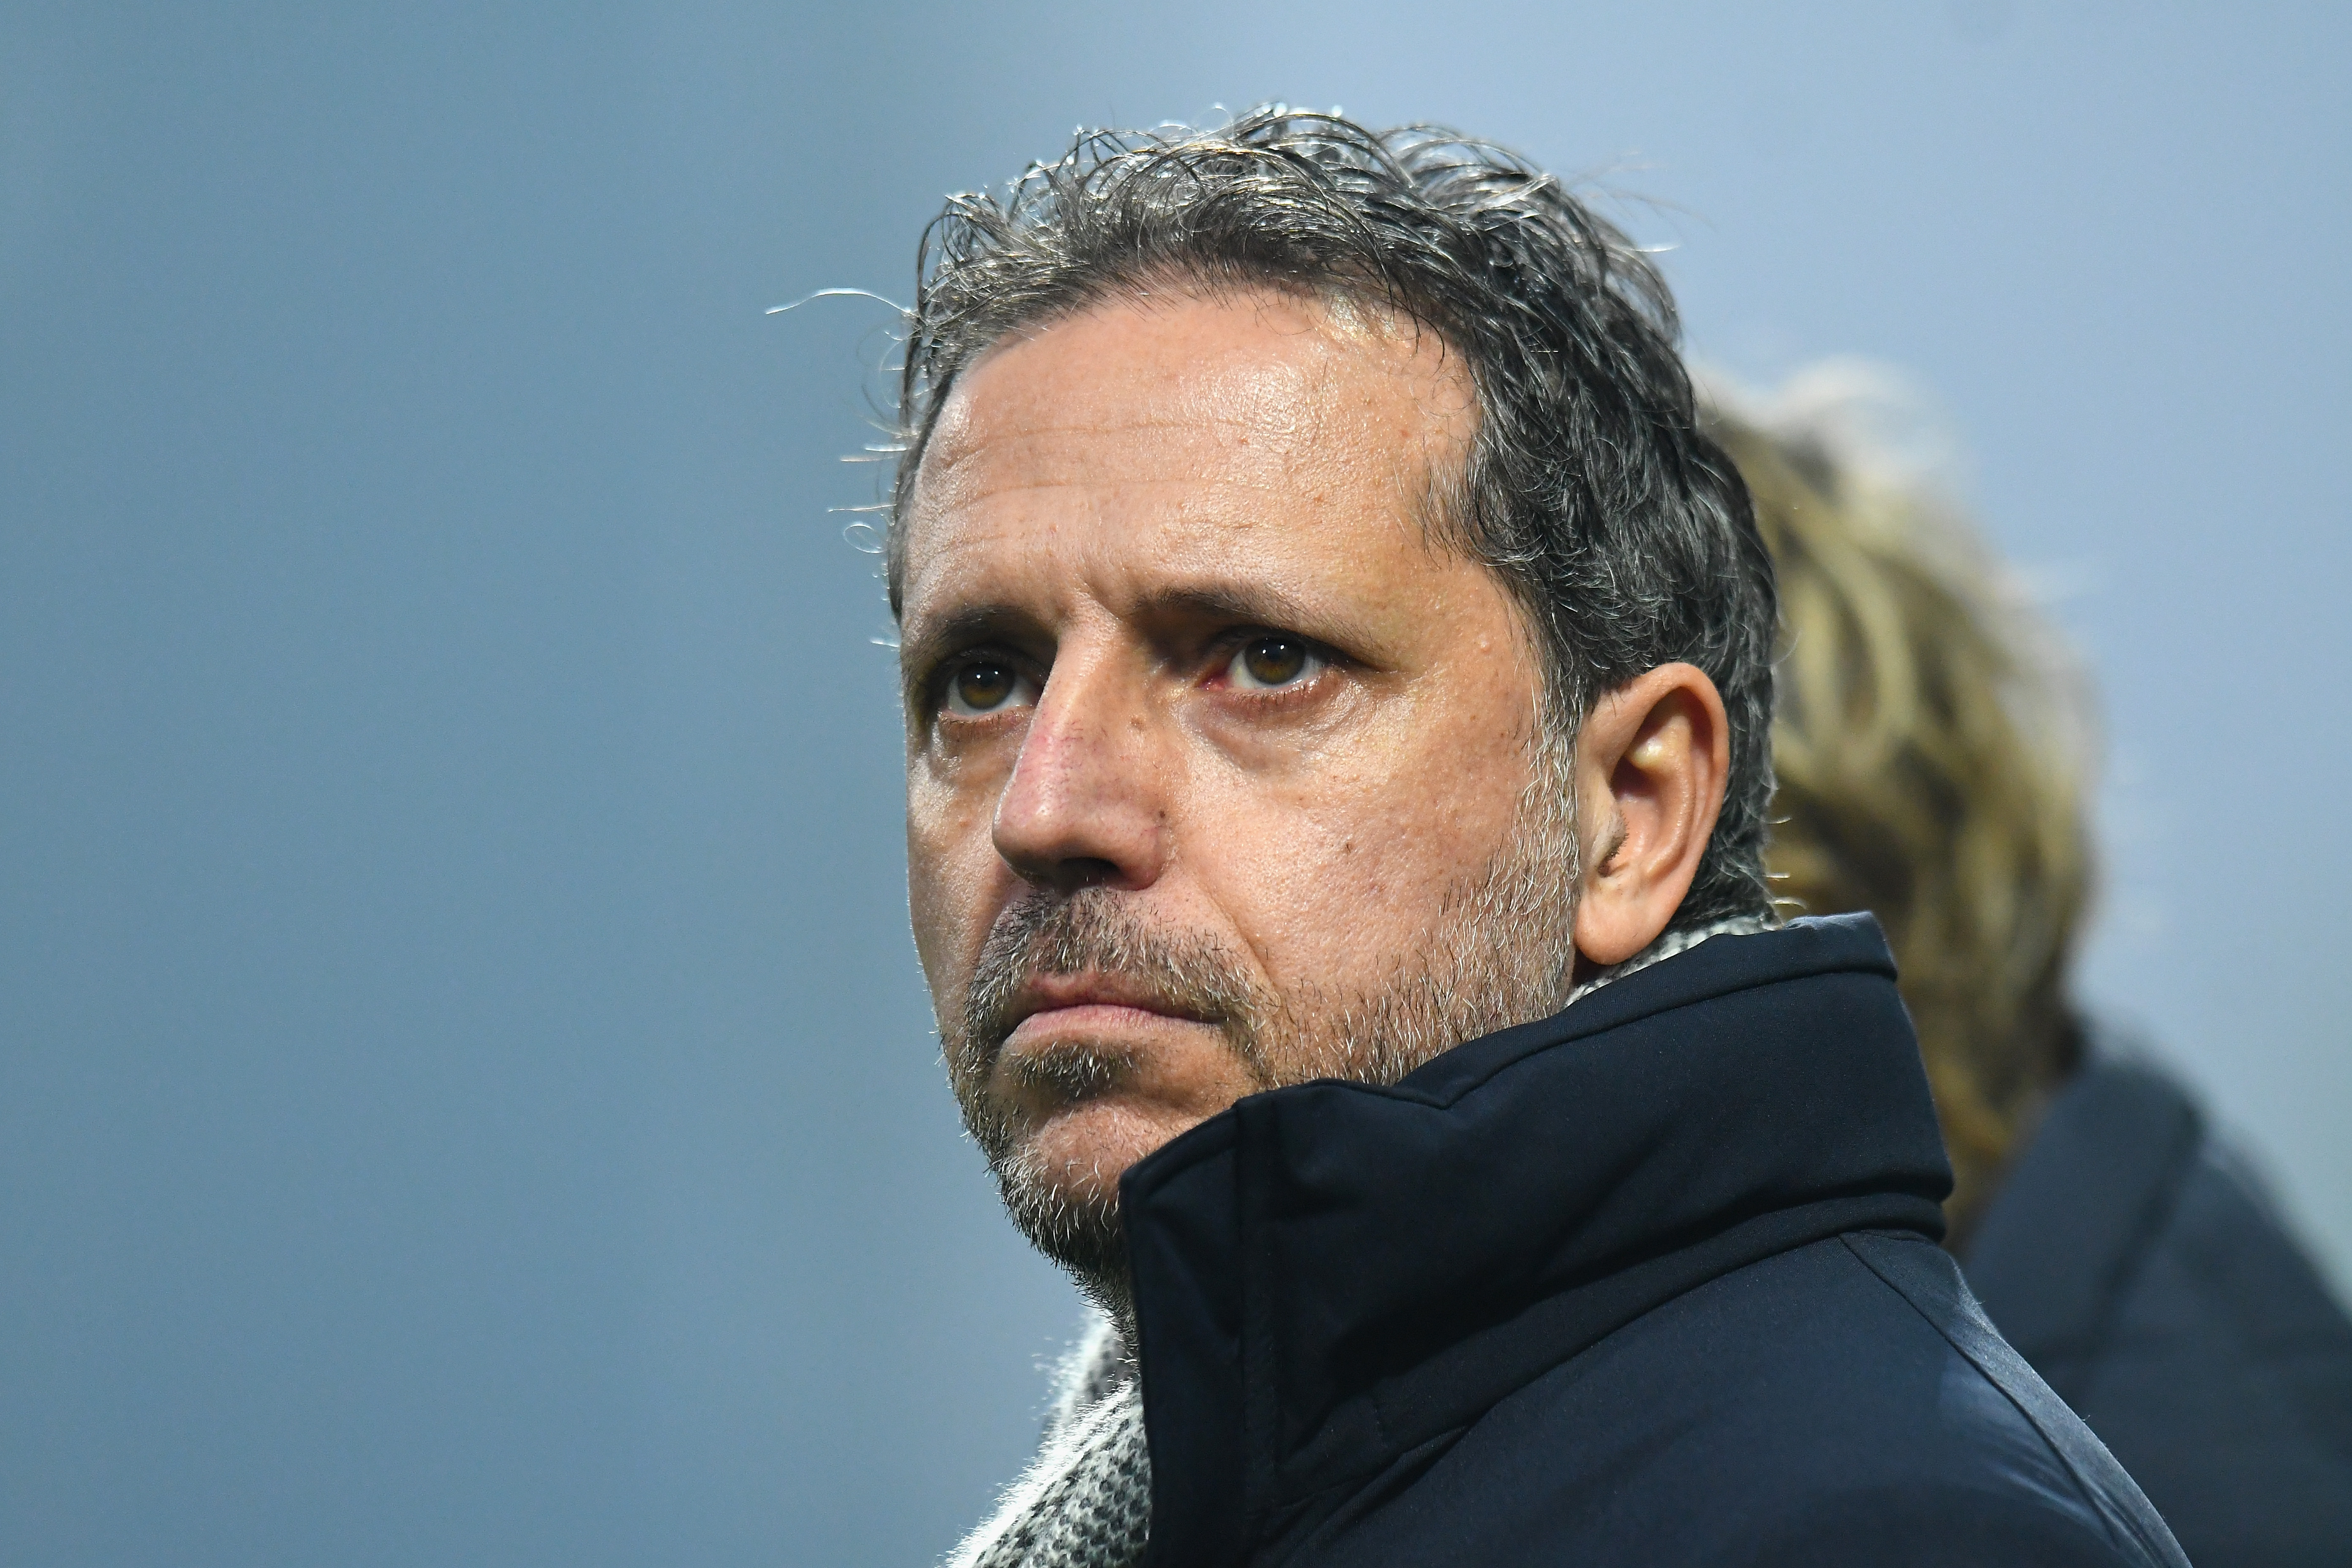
1499	951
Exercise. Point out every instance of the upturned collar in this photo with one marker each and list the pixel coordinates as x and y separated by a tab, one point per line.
1334	1279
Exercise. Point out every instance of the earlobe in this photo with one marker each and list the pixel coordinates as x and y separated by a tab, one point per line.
1652	758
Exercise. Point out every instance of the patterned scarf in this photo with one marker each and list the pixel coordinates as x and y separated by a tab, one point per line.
1085	1500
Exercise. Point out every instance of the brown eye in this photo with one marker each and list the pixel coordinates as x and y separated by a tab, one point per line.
1269	661
983	686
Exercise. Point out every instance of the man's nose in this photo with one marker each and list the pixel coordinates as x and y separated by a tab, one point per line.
1087	799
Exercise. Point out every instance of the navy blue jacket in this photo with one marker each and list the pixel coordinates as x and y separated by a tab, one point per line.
2132	1262
1652	1281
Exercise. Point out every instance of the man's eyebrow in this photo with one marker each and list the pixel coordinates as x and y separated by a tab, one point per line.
1260	604
925	639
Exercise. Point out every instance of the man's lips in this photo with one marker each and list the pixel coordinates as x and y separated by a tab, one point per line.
1055	1002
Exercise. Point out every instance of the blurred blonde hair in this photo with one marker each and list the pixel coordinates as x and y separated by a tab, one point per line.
1932	741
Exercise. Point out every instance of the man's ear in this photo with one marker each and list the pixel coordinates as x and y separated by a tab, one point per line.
1651	760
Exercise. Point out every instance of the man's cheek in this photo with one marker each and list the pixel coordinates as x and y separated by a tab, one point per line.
932	909
954	894
1313	894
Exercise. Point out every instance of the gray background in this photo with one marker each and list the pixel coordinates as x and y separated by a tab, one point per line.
465	1091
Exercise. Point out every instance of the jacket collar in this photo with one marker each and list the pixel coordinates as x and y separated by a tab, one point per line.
1334	1276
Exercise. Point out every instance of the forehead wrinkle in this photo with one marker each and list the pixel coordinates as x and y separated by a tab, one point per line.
1093	488
948	489
1049	439
958	447
1250	392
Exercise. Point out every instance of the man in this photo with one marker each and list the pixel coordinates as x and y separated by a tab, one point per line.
1338	689
1930	771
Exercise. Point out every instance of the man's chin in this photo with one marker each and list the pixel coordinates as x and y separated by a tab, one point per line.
1060	1184
1084	1148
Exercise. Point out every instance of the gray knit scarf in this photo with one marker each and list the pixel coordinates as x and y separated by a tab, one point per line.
1085	1501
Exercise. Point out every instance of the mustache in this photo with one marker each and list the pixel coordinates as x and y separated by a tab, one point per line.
1094	931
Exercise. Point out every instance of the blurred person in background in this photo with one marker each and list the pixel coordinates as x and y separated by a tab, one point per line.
1932	749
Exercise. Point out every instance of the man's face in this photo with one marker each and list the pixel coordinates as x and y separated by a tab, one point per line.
1222	769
